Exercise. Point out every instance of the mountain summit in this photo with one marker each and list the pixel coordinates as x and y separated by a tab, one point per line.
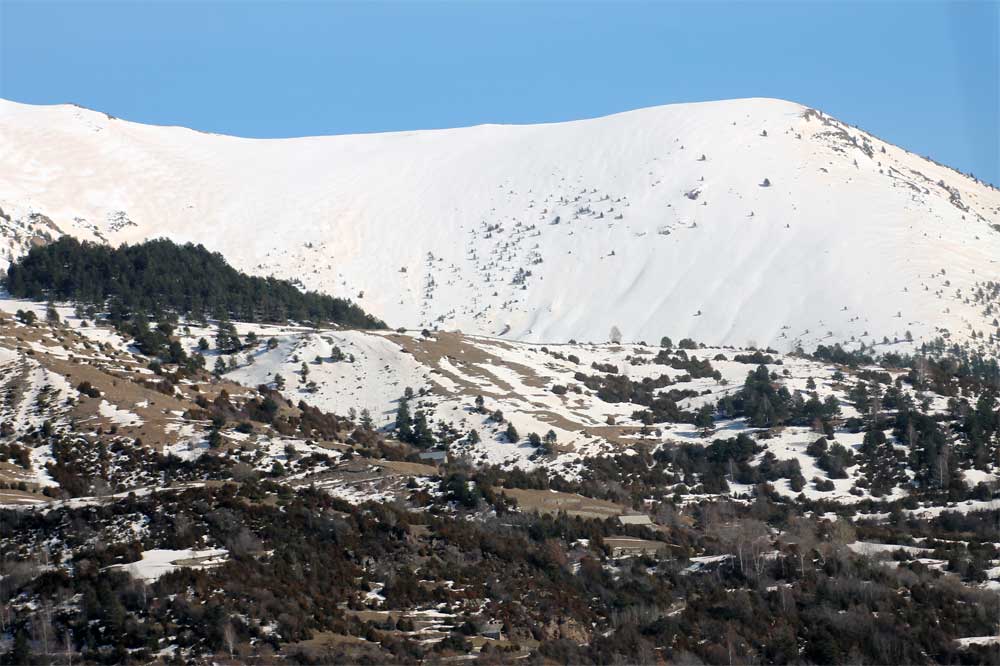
745	221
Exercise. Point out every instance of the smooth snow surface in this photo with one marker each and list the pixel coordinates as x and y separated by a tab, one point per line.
655	221
155	563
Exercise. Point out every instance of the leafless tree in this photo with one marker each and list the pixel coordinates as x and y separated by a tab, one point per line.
68	638
41	627
229	636
802	533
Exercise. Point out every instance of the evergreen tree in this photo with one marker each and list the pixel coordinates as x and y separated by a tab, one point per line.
763	403
511	433
881	463
422	436
158	275
404	422
226	339
703	418
195	363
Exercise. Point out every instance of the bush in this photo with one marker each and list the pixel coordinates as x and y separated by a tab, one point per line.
89	390
823	485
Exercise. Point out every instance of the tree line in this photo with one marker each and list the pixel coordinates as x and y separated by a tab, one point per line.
159	276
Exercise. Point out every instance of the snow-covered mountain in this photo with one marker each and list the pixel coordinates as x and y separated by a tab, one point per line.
746	221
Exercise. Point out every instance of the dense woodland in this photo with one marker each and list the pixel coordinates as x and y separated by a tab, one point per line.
159	276
301	563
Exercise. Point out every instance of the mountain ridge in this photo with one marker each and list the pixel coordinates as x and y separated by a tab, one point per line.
70	106
495	229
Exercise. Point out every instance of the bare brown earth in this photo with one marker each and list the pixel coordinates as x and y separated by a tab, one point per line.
472	355
406	468
552	502
116	374
21	497
113	373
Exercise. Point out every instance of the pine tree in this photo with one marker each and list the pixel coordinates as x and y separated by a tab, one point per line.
222	338
511	434
404	422
159	275
422	436
703	418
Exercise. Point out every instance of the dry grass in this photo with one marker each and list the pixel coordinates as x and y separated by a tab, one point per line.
551	502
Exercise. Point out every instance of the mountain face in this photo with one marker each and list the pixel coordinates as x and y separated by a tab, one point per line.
201	467
747	221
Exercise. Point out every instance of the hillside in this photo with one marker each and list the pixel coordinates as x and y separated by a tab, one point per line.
731	222
275	509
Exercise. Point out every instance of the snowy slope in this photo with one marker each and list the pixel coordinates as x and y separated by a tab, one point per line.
550	232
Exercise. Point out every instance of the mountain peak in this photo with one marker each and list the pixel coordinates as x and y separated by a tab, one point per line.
749	220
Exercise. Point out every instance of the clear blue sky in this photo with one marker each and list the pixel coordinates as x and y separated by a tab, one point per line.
923	75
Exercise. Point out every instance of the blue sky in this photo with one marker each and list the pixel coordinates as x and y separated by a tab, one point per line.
920	74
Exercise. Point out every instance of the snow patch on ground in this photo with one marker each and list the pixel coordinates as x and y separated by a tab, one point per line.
157	562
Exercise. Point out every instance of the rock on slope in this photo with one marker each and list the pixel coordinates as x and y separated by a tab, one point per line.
731	222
